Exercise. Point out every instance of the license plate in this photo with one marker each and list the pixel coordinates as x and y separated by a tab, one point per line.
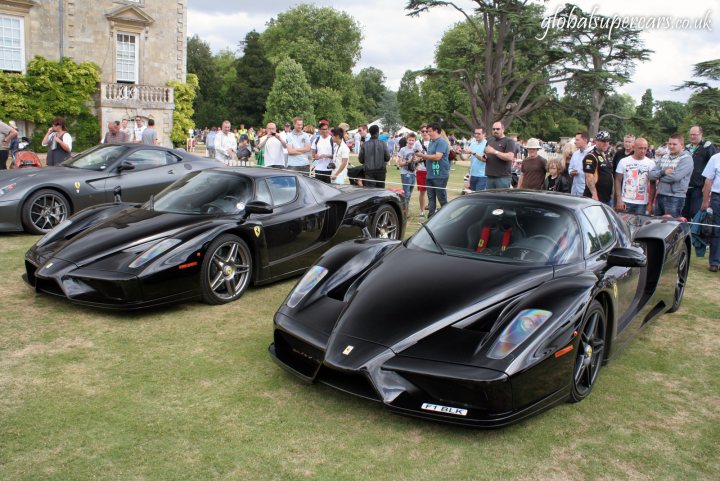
444	409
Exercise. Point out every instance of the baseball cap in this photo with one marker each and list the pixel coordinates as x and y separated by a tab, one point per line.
602	135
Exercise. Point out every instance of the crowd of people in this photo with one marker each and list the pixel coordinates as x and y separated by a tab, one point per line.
119	132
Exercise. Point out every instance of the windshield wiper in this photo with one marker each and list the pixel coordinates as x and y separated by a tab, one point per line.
432	236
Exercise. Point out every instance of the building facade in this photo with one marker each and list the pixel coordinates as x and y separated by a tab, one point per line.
140	45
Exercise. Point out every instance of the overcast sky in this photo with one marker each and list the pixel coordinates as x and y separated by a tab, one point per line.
395	43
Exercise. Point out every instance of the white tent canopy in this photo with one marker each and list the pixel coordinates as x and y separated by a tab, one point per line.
402	130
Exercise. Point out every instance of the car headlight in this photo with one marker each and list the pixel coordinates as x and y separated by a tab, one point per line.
7	188
154	251
311	279
54	232
517	331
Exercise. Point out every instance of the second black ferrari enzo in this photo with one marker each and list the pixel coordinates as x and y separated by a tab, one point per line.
208	236
502	305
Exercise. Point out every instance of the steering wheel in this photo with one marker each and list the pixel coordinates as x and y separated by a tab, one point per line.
542	255
210	209
232	199
541	236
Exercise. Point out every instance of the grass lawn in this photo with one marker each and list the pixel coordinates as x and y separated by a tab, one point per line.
189	392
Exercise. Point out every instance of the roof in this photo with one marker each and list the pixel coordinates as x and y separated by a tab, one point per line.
553	198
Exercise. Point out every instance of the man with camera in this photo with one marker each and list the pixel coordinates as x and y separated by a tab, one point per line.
407	164
274	146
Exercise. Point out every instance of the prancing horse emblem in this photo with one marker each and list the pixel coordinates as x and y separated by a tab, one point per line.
257	231
347	350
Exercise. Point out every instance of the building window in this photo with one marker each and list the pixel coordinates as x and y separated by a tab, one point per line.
12	43
126	55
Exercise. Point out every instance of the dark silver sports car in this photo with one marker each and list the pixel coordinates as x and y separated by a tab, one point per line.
36	200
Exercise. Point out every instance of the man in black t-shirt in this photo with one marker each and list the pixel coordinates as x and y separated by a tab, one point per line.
500	154
598	170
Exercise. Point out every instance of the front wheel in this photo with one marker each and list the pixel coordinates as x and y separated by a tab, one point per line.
682	275
44	210
591	350
226	270
385	224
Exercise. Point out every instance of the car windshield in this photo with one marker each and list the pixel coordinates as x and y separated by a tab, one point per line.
98	158
488	228
205	192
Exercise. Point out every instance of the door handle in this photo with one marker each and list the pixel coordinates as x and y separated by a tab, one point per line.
171	171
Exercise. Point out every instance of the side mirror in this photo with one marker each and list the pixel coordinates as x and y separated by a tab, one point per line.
257	207
362	221
126	165
627	257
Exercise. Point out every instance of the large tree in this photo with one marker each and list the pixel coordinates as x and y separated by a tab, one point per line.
254	78
409	101
371	87
389	111
704	103
503	64
200	62
603	58
669	116
290	94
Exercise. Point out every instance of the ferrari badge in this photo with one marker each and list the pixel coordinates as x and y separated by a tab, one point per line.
77	187
348	350
257	231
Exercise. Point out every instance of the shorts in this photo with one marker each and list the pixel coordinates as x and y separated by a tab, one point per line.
420	177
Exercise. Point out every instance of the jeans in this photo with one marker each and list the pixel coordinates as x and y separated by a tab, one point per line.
408	183
436	190
693	202
638	209
498	182
715	239
323	175
669	205
478	183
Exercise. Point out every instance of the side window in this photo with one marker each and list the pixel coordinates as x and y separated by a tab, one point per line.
171	158
147	159
262	193
282	189
597	231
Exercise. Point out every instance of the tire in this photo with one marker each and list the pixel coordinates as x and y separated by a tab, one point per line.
682	275
44	210
226	270
385	223
590	352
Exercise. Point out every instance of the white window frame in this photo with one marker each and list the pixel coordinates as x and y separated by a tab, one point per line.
137	57
22	42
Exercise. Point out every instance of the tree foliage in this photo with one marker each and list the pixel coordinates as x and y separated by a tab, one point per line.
290	94
704	104
389	111
327	104
371	87
669	116
254	77
498	60
207	98
409	101
183	114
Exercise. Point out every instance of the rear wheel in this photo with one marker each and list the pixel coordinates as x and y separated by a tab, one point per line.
591	350
385	223
226	270
44	210
682	275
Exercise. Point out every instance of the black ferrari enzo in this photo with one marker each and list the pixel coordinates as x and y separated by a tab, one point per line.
207	236
36	200
502	305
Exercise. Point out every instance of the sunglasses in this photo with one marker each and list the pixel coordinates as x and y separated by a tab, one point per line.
496	129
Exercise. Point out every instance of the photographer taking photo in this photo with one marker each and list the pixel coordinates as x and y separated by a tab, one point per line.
58	141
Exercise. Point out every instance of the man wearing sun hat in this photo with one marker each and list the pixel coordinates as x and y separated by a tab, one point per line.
534	167
598	170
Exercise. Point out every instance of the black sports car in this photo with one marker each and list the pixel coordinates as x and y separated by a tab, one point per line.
36	200
503	304
206	236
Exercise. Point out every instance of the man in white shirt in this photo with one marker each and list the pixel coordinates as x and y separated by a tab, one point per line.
632	184
298	143
283	136
138	130
225	144
323	150
340	157
275	147
584	147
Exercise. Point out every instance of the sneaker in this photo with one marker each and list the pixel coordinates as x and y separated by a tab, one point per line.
422	216
713	268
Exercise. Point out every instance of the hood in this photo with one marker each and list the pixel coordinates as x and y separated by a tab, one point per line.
123	230
410	290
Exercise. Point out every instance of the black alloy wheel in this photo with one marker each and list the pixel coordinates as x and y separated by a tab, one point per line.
590	352
44	210
682	276
226	270
385	223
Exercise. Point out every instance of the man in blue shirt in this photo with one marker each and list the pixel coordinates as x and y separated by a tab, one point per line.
298	143
438	168
478	180
711	199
